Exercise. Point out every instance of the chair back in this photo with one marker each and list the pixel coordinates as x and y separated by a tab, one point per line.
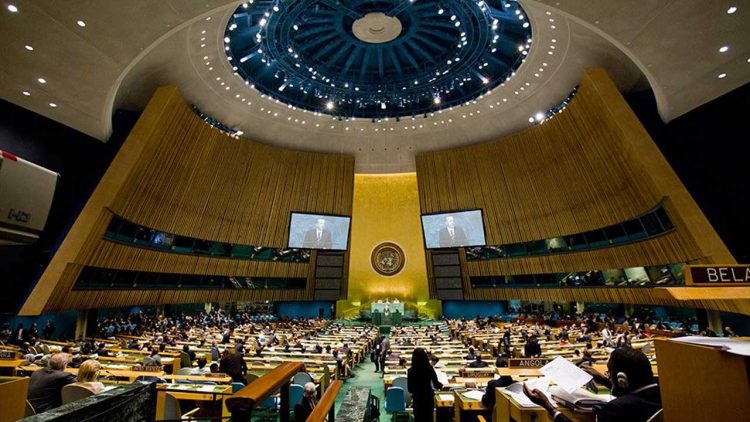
657	417
395	400
171	408
301	378
237	386
295	394
402	383
71	393
184	371
29	410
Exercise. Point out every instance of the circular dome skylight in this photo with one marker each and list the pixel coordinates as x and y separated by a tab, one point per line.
376	58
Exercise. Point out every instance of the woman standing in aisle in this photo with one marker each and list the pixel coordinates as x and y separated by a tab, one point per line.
421	382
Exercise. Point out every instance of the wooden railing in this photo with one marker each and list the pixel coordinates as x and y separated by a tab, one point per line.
241	403
325	406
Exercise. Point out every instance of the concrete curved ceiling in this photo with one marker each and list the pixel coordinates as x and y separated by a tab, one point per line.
125	52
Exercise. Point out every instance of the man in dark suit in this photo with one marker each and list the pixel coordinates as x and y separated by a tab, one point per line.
532	348
306	405
318	237
631	381
45	386
451	235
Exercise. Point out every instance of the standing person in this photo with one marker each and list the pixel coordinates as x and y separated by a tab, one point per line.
234	365
49	329
385	346
421	379
451	235
376	352
318	237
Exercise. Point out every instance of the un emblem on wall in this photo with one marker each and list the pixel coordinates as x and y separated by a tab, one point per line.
387	259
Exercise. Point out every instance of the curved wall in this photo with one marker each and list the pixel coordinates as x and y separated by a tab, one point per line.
590	166
177	174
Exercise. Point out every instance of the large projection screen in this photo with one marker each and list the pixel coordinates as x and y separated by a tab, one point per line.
318	231
453	229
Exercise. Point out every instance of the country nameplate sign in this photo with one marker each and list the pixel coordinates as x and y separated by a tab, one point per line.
702	275
527	362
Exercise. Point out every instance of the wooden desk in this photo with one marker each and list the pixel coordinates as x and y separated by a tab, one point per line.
508	410
519	372
464	407
195	392
702	383
131	376
10	366
13	398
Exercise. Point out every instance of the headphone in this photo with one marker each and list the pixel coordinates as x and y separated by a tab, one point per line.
622	381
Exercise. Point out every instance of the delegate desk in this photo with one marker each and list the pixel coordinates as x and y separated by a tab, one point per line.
207	394
509	410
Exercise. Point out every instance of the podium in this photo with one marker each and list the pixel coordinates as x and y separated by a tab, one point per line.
393	318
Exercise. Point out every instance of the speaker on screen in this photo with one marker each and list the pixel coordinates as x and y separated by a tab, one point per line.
455	229
319	231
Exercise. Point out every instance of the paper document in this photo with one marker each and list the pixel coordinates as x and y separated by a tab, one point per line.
565	374
445	397
738	347
515	391
541	384
441	377
473	394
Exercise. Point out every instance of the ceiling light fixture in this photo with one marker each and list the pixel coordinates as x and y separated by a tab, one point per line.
722	75
12	8
26	93
730	11
42	80
53	105
28	47
82	24
724	49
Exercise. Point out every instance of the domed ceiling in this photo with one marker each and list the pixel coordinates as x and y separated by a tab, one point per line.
376	58
364	55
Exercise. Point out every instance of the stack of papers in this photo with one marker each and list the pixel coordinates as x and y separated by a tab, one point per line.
473	394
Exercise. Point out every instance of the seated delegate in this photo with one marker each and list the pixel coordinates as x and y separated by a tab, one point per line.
88	376
45	386
631	381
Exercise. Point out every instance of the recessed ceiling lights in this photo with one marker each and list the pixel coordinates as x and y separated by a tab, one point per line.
53	105
28	47
82	24
531	119
26	93
722	75
724	49
42	80
730	11
12	8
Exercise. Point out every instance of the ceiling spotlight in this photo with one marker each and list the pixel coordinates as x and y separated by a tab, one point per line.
437	100
42	80
12	8
329	105
382	106
82	24
724	49
26	93
53	105
28	47
722	75
730	11
531	119
539	116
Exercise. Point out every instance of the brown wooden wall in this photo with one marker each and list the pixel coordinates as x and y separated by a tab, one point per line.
588	167
177	174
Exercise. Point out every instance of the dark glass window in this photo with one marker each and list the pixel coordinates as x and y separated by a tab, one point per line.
576	242
616	234
538	248
664	219
651	224
127	231
516	249
596	238
634	229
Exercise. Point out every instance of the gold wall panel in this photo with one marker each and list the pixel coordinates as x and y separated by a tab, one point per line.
386	209
590	166
177	174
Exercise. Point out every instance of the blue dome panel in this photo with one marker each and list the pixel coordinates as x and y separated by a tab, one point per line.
376	58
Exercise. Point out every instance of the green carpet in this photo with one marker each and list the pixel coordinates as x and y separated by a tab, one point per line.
364	376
